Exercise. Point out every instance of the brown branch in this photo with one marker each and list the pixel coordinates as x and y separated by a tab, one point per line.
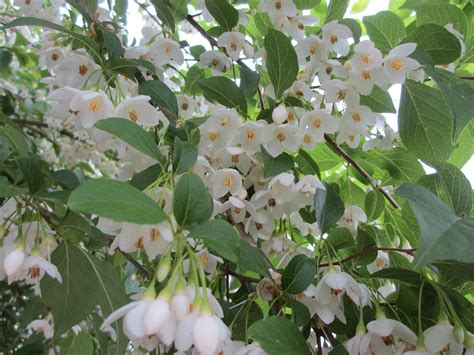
27	123
467	77
360	169
368	250
242	278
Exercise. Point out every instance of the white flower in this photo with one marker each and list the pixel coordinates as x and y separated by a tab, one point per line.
238	208
42	325
186	105
216	60
306	188
51	57
62	98
230	157
282	187
366	57
441	336
337	90
397	63
279	114
312	48
139	110
276	138
249	136
91	106
234	43
361	116
260	225
351	218
336	37
313	126
349	133
278	8
388	329
77	70
219	129
224	181
35	266
381	261
206	334
296	25
166	51
13	262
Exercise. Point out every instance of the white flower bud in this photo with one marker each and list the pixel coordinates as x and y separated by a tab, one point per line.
180	306
156	316
279	114
13	261
206	335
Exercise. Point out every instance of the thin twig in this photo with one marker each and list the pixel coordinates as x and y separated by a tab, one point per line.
23	122
360	169
242	278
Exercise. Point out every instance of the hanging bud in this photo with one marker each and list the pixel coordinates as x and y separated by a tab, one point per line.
163	267
206	334
279	114
13	261
156	315
458	334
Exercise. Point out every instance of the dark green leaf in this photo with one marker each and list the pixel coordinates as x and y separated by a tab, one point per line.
274	166
336	10
191	201
442	14
354	26
224	91
306	164
5	59
299	274
29	166
385	29
8	190
378	100
328	206
425	122
116	200
146	177
77	344
249	81
132	134
251	260
278	336
282	62
408	276
224	13
112	43
462	271
374	205
161	95
438	42
184	156
164	13
220	237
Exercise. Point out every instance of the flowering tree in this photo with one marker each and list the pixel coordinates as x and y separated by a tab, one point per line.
231	182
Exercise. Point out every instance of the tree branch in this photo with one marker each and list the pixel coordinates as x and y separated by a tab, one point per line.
360	169
27	123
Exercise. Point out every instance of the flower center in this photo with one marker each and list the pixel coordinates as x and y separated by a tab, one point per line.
341	94
379	262
83	69
213	136
365	75
317	122
132	114
233	45
215	62
333	39
396	64
228	182
205	259
351	137
271	202
278	5
168	47
307	139
250	134
290	117
366	58
235	158
154	234
55	56
281	136
95	104
224	121
314	48
139	243
185	106
258	226
34	272
356	117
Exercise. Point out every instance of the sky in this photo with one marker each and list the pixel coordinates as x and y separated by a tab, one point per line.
374	7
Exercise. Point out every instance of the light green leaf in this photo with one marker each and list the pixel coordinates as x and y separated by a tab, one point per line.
385	29
274	166
328	206
374	205
378	100
77	344
306	164
193	76
434	218
116	200
336	10
464	147
425	123
442	14
191	201
220	237
299	274
451	186
359	6
282	62
278	336
401	165
224	91
459	96
132	134
354	26
8	190
184	156
161	95
224	13
438	42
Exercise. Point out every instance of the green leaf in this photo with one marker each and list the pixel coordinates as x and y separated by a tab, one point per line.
161	95
164	13
299	274
464	147
336	10
146	177
442	14
354	26
278	336
274	166
5	59
459	96
120	8
224	91
359	6
220	237
251	260
282	62
116	200
112	43
306	164
365	241
401	165
328	206
72	300
249	81
191	201
434	218
399	274
132	134
193	76
462	271
8	190
451	186
378	100
424	122
374	205
184	156
224	13
29	166
179	8
438	42
77	344
385	29
17	139
33	21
